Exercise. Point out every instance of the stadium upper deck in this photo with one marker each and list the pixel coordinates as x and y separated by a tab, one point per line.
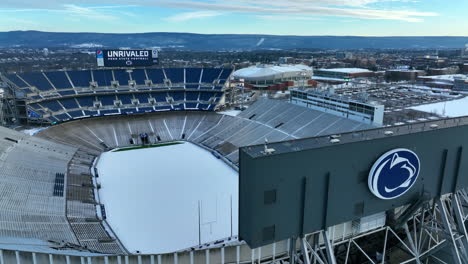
65	95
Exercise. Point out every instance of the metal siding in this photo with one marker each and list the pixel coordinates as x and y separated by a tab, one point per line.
347	166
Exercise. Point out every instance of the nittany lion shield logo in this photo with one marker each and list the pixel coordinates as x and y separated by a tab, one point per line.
394	173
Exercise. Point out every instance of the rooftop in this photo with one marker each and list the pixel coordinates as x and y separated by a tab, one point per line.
447	77
346	70
356	136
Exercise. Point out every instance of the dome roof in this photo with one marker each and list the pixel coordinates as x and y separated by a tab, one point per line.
270	72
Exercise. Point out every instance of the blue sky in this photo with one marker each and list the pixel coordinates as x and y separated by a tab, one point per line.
281	17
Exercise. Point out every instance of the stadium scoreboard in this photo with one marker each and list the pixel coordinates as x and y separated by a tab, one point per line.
126	58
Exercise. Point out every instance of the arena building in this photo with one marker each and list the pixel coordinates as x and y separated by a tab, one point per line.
275	77
341	75
443	81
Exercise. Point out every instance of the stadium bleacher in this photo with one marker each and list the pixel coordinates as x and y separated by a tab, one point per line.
80	78
59	79
271	119
74	91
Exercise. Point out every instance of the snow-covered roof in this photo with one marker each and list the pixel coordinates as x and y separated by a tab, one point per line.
447	77
320	78
404	70
346	70
268	72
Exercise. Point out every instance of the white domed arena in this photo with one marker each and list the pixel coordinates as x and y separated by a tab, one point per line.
137	166
273	77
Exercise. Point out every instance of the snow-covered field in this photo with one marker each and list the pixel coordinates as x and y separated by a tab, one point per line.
453	108
159	200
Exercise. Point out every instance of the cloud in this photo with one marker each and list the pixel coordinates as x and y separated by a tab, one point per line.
182	17
287	18
339	8
361	9
86	12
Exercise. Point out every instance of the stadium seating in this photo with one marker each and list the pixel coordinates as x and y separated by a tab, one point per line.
139	76
80	78
37	79
59	79
156	76
193	75
121	76
75	91
271	119
103	78
175	75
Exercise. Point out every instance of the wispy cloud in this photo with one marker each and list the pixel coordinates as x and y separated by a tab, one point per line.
337	8
182	17
361	9
85	12
287	18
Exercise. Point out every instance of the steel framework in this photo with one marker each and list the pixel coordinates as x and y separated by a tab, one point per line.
436	225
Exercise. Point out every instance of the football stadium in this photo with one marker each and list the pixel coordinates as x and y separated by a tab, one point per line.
140	164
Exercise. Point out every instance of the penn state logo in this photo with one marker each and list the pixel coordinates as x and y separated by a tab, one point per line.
394	173
129	63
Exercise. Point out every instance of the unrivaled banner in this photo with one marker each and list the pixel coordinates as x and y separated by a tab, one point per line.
126	58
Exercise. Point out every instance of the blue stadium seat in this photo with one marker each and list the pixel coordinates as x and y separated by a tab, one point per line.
156	75
62	117
128	110
178	107
191	105
65	93
108	112
15	80
160	97
139	76
192	86
59	79
76	114
36	107
53	105
37	79
205	96
87	101
90	113
192	96
209	75
175	75
125	98
211	107
142	97
178	96
163	108
192	75
103	77
80	78
225	74
106	100
122	77
203	106
69	103
145	109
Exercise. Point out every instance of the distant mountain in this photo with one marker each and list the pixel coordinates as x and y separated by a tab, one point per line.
188	41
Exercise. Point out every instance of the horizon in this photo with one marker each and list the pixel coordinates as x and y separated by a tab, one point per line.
366	18
253	34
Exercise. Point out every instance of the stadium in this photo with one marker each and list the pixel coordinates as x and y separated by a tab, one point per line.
140	166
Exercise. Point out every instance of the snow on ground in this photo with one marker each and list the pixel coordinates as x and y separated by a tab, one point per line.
153	197
231	112
453	108
33	131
